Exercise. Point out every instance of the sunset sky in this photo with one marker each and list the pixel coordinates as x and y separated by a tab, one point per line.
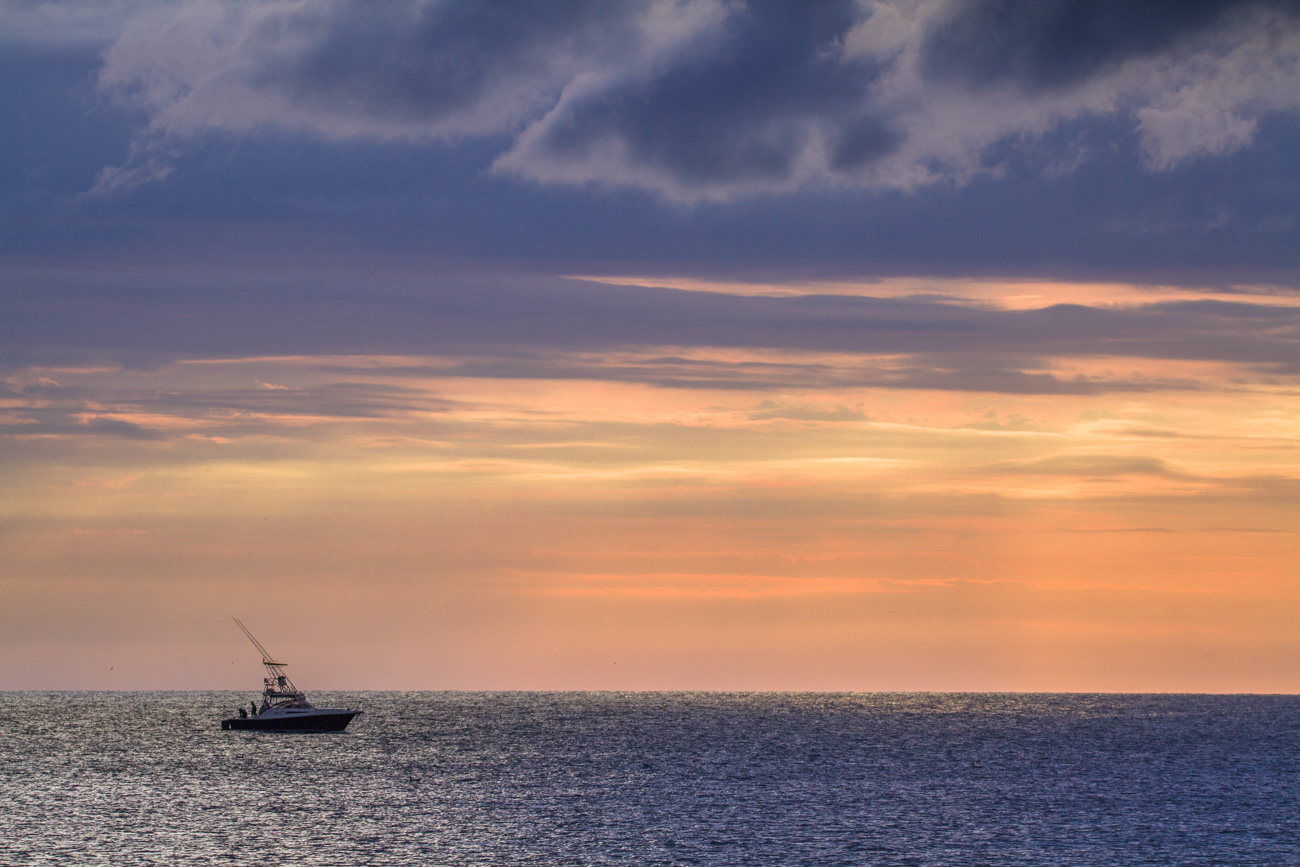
659	344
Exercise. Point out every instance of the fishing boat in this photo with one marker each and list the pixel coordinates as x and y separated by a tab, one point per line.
284	707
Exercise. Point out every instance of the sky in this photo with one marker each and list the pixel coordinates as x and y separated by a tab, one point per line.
658	344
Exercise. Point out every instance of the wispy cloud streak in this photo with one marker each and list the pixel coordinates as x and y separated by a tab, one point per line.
516	331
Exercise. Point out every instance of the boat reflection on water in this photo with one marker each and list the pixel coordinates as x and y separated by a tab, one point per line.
284	707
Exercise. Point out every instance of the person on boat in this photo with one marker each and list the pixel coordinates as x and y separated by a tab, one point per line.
243	714
253	705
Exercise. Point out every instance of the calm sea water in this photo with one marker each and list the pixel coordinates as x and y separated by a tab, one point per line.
685	778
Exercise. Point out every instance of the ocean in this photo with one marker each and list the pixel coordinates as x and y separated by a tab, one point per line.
454	778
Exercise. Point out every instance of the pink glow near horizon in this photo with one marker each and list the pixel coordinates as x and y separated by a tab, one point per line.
793	531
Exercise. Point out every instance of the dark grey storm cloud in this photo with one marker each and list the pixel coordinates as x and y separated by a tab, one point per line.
740	109
807	139
420	62
1052	44
706	99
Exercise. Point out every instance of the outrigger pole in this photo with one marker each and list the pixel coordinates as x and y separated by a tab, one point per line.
273	668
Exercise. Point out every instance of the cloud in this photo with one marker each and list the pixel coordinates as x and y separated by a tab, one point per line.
52	411
1091	466
768	410
654	335
54	23
146	166
45	422
708	99
1210	97
765	370
763	104
405	69
1055	44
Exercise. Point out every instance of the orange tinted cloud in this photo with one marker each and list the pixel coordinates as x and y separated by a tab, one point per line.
774	522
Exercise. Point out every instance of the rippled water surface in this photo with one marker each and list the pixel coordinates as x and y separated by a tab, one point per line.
690	778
